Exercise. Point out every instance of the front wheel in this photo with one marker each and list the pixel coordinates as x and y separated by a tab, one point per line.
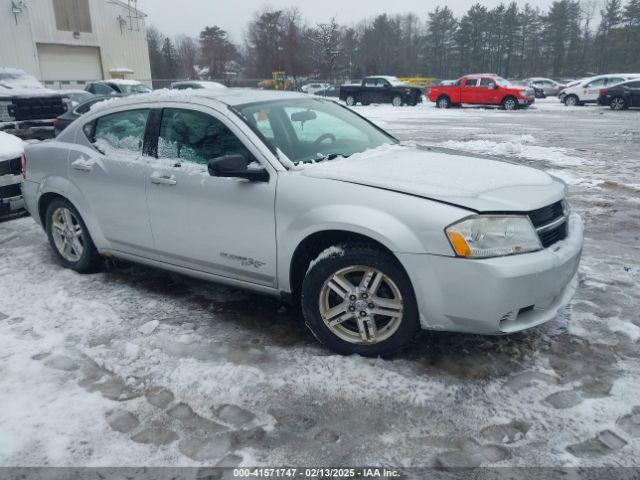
69	237
350	101
509	103
571	101
359	300
618	103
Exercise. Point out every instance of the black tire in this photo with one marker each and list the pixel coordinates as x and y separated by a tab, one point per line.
322	270
618	103
509	103
571	101
350	100
443	102
90	259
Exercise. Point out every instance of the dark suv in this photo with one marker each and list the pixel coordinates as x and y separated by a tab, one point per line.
621	96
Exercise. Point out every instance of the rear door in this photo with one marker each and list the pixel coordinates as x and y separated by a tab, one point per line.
107	166
468	92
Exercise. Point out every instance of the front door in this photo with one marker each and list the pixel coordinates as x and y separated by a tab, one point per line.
107	166
634	90
223	226
591	91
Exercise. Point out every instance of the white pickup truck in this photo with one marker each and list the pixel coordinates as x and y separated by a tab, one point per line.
11	150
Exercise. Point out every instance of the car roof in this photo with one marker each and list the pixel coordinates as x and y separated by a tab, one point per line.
229	96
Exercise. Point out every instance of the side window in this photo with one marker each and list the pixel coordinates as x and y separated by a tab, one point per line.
633	84
485	82
370	82
472	82
596	83
196	137
614	81
382	83
101	89
121	131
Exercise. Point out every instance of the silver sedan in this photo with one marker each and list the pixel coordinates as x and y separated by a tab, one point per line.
303	199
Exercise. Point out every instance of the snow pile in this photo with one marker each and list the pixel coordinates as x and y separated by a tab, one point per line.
10	146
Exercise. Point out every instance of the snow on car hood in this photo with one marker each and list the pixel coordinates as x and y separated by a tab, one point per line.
10	147
471	182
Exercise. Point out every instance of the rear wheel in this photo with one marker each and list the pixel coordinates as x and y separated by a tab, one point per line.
397	101
509	103
69	237
571	100
359	300
350	100
443	102
618	103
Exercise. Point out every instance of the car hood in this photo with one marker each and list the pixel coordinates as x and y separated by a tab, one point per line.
479	184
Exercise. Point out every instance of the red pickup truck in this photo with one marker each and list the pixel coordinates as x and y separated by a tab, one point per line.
482	89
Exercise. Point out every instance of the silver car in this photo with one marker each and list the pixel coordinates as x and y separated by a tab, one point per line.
301	198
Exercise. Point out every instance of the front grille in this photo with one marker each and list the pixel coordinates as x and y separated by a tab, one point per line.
9	191
550	237
546	216
37	108
11	167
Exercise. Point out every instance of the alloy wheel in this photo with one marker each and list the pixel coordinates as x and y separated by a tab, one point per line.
617	103
510	104
67	234
397	101
361	305
351	101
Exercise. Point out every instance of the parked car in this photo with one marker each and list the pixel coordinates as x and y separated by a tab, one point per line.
588	90
314	87
104	88
11	150
300	198
330	91
76	97
550	87
562	93
621	96
27	109
195	85
63	121
381	89
482	89
537	91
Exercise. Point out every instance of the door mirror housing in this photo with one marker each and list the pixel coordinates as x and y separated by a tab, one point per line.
235	166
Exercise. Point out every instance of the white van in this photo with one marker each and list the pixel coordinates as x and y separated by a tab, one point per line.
588	90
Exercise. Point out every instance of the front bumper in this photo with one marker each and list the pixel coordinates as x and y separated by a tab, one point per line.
526	101
30	129
496	295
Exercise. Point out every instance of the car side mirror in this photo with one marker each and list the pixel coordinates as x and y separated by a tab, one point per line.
235	166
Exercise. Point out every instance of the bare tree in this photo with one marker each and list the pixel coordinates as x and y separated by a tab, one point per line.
188	53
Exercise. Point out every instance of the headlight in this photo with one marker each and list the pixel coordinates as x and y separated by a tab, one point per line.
493	236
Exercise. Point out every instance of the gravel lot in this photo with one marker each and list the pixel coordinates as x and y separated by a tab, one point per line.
134	366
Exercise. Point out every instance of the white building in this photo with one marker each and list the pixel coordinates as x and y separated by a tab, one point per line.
65	43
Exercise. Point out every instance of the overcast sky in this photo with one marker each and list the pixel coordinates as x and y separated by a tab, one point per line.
174	17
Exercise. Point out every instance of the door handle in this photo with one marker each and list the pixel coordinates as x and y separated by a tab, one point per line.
159	179
83	165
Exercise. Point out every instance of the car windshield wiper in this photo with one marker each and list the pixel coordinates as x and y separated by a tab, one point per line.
330	156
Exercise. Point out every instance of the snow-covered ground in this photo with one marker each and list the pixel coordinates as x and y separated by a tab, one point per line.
134	366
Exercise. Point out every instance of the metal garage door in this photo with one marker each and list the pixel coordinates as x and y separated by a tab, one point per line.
66	62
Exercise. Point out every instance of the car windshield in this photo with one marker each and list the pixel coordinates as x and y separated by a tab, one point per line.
394	81
133	88
503	82
309	130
